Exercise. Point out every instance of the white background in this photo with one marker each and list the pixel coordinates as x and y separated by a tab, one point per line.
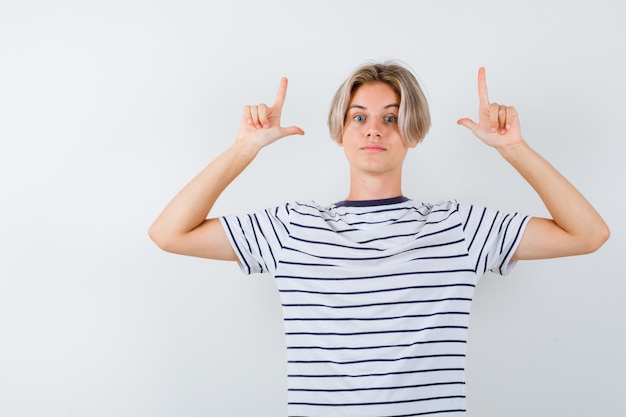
107	108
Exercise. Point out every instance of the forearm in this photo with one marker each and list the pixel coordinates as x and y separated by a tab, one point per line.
576	227
183	227
191	206
569	209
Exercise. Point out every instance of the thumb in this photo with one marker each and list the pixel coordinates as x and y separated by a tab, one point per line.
291	130
468	123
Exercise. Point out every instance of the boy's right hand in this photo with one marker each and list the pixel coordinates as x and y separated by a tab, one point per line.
261	124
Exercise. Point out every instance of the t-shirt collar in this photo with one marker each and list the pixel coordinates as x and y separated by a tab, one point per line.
369	203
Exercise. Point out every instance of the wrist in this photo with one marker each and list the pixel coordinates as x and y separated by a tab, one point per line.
513	151
246	147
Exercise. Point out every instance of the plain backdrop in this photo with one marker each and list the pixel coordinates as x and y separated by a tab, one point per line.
107	108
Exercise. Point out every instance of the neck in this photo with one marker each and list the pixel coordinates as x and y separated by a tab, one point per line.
374	187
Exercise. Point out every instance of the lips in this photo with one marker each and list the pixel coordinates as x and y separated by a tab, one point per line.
372	147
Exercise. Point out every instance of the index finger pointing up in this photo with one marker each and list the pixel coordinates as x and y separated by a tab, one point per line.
282	93
482	87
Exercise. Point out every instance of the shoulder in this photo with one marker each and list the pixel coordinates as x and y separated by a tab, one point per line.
304	208
301	212
444	208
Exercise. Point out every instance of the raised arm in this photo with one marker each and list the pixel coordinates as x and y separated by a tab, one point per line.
183	226
576	227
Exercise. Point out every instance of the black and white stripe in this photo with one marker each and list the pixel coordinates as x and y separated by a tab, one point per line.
376	298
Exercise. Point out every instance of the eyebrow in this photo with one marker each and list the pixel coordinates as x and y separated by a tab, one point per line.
358	106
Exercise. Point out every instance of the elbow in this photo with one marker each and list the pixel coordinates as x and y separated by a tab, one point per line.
596	240
160	238
155	236
603	236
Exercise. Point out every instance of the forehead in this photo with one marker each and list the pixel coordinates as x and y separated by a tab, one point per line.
373	94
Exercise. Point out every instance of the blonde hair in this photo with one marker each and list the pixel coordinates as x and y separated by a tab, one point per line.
413	115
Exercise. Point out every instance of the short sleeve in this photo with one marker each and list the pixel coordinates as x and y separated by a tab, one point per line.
492	237
257	238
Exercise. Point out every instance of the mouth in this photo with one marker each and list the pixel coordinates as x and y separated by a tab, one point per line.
373	148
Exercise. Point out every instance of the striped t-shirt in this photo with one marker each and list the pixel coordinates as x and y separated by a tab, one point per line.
376	298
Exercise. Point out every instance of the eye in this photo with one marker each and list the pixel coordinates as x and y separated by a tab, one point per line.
358	118
391	119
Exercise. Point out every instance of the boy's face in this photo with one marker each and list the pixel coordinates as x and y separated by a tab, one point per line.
371	138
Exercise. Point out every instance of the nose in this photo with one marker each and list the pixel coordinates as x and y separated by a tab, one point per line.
374	130
373	133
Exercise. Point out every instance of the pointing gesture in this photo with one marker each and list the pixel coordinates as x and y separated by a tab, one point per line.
261	124
497	125
183	226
